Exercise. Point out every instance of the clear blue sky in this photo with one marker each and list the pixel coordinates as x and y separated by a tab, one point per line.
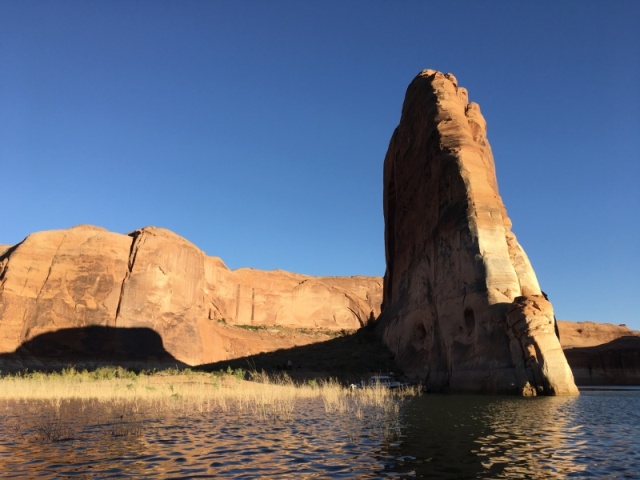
257	130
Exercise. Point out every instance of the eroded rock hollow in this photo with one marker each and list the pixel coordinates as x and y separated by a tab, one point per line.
462	308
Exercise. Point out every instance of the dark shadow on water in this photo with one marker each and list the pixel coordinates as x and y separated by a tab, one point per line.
91	347
485	436
350	358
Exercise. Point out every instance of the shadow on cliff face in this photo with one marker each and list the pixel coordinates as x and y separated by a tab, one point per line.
349	358
91	347
613	363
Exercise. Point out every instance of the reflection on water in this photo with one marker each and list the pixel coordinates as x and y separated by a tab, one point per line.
136	441
594	435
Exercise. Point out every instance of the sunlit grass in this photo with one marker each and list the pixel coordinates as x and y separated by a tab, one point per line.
121	396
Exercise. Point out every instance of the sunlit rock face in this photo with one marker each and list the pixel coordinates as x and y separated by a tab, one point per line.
153	279
601	353
462	308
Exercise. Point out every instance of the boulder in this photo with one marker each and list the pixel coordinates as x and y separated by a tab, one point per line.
462	308
153	280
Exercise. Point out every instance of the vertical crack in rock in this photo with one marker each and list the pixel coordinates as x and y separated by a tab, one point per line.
462	308
253	304
137	239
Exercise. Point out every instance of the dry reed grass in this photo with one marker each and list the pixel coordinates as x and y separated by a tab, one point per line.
120	397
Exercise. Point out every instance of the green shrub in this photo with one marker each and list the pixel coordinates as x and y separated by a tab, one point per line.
253	328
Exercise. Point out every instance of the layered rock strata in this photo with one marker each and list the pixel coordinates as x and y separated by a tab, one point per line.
156	280
462	308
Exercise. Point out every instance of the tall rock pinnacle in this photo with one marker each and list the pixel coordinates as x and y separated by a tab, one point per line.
462	307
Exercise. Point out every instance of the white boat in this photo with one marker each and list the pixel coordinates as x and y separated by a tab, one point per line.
386	381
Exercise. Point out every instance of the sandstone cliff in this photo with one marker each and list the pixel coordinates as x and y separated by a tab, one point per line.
600	353
87	291
591	334
462	307
154	279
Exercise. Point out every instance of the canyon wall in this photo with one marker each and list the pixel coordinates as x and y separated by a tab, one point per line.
601	353
153	297
462	308
65	280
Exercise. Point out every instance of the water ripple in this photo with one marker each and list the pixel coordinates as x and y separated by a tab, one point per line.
595	435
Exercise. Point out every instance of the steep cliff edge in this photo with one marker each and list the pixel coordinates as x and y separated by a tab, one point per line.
155	280
462	308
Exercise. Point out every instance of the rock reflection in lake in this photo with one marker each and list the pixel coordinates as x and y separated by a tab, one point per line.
434	436
595	435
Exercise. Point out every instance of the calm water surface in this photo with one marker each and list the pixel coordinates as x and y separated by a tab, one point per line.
438	436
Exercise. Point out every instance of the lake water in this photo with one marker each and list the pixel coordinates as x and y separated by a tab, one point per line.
435	436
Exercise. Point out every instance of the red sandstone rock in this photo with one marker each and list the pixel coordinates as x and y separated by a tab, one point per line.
86	276
600	353
154	279
462	307
591	334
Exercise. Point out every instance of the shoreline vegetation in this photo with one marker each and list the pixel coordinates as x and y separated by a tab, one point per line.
122	400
